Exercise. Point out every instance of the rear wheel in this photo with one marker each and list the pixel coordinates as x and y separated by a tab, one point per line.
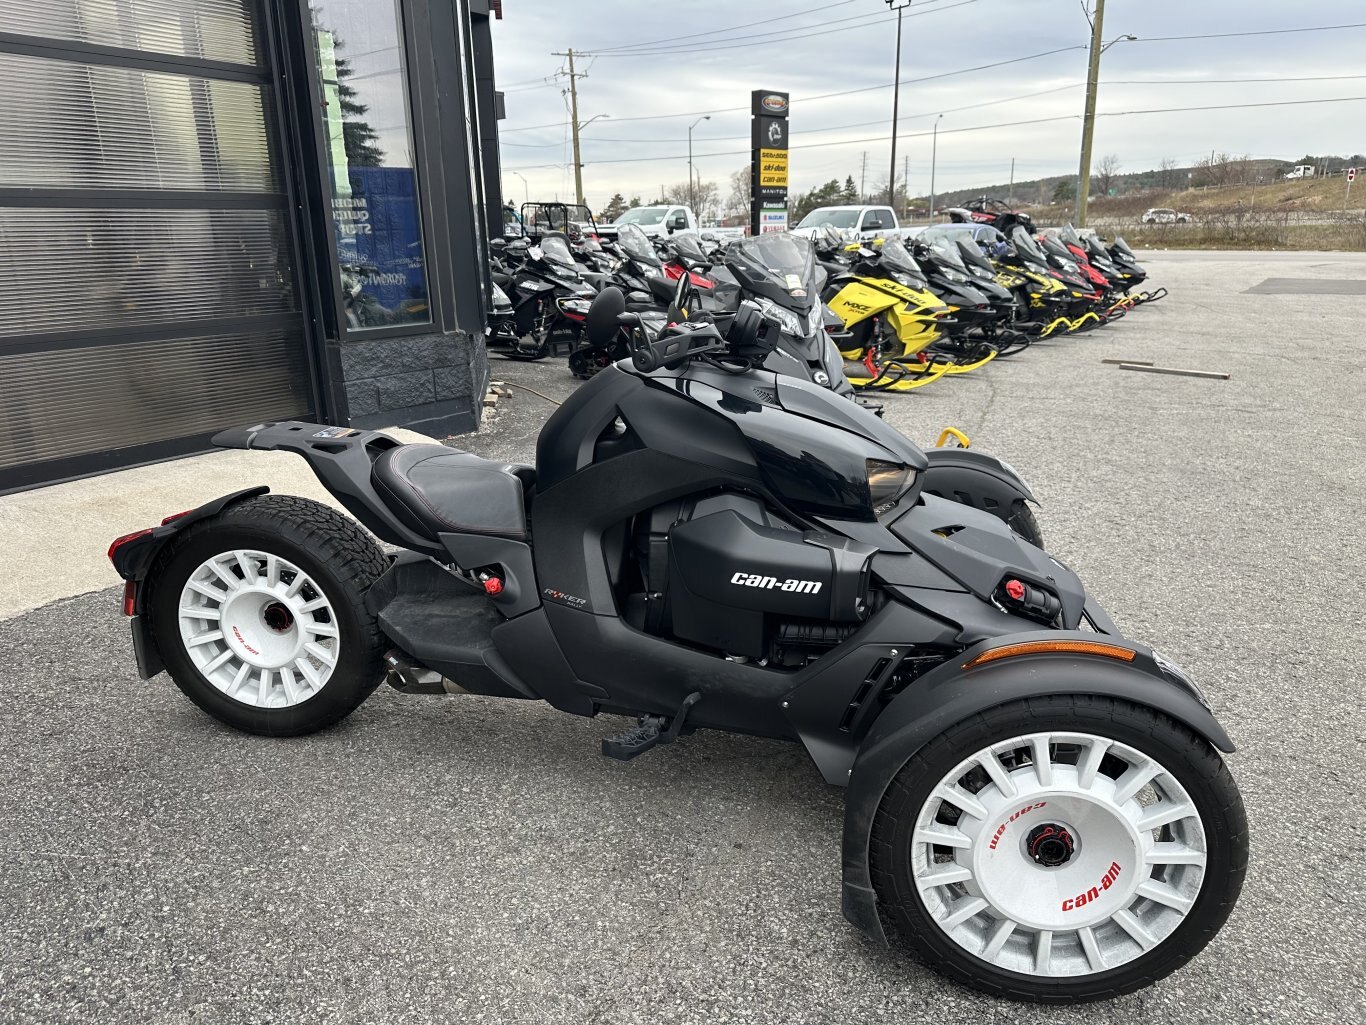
1083	848
1023	521
260	616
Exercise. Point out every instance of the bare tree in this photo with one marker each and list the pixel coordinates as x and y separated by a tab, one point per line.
1221	169
1107	169
737	203
1168	177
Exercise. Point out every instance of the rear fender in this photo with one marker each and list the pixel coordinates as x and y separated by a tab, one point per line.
949	694
134	560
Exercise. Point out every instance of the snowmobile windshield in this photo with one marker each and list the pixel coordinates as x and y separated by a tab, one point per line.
897	260
946	251
1069	236
972	253
636	244
951	231
556	250
1123	247
689	248
778	266
1053	245
1027	247
834	218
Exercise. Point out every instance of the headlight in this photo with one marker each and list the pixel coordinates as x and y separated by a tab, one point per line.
785	317
907	280
579	306
953	275
500	298
887	482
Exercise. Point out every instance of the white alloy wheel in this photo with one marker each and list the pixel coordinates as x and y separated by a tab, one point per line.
1058	854
258	628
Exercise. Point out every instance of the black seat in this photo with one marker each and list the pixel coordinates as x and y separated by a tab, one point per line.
434	490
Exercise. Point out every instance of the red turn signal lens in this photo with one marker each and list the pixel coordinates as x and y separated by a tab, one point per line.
493	586
130	596
175	516
119	542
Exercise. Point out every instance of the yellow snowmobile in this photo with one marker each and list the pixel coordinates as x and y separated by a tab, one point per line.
890	319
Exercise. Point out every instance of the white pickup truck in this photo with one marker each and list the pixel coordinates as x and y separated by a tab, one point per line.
869	221
655	221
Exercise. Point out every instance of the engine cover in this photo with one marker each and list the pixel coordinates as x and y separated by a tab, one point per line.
732	579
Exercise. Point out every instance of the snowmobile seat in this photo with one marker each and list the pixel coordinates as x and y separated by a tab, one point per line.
438	490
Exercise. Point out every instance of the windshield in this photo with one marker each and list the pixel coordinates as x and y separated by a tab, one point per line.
954	231
1070	237
778	266
834	218
897	258
1123	247
972	253
1026	246
643	215
555	249
689	248
635	244
946	249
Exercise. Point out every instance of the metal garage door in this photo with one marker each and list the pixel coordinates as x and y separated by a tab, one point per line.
147	283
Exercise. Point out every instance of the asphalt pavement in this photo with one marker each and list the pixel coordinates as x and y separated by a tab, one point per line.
465	859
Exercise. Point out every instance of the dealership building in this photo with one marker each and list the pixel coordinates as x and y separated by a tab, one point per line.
219	212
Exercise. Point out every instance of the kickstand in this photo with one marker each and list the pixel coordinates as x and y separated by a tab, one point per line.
648	731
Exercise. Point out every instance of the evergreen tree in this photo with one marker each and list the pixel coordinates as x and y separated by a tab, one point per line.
357	135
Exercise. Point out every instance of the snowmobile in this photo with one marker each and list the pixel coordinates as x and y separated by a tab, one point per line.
1036	805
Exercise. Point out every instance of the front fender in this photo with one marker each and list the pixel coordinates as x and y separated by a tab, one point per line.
949	694
976	479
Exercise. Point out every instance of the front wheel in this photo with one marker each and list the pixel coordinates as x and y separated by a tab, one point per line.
1083	848
260	617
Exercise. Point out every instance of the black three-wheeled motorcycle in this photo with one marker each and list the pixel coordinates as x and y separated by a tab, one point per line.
1036	805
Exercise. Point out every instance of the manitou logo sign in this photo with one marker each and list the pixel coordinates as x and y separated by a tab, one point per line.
774	584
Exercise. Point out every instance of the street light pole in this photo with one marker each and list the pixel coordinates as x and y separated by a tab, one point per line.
692	196
1088	121
934	160
526	190
898	6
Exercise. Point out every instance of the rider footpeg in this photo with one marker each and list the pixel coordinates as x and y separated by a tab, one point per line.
649	731
637	740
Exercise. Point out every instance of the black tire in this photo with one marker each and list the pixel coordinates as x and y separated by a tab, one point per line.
334	551
1023	521
1196	764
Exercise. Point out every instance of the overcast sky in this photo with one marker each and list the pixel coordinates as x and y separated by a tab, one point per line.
850	44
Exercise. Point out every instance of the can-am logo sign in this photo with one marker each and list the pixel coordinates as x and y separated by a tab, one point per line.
774	104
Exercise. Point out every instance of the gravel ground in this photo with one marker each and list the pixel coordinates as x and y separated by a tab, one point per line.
467	860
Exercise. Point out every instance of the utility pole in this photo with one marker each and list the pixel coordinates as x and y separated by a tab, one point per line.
574	123
863	177
1010	195
1088	121
906	185
898	6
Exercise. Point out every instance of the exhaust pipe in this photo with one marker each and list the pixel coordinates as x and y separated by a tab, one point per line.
408	677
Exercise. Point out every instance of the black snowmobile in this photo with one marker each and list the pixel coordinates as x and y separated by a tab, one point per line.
1036	805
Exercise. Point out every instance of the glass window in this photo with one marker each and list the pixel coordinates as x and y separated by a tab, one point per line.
371	164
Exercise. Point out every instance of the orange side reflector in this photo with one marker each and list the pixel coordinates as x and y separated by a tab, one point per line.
1051	648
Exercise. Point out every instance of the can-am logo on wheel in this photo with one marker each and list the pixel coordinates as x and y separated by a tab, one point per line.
774	584
1106	881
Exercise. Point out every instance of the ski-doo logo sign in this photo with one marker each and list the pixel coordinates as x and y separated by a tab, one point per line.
774	104
774	584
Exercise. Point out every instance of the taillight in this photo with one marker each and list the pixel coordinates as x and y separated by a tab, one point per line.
130	596
119	542
175	516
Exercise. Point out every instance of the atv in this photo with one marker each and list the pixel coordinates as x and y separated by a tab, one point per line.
1036	805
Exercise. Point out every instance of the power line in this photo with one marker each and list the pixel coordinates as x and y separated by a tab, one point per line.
1234	106
1261	32
1225	81
864	19
722	31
